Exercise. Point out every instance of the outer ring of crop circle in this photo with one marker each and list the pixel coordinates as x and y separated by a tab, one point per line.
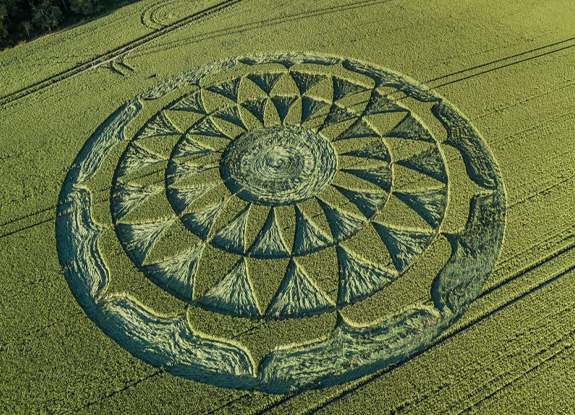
123	319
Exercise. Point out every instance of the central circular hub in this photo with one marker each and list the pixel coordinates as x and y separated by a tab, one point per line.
278	166
277	163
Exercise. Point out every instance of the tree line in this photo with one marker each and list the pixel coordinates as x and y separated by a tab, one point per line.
23	20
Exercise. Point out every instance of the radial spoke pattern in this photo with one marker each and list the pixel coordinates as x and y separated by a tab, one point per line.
277	139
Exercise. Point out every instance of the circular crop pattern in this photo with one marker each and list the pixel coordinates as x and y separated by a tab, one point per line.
280	187
278	166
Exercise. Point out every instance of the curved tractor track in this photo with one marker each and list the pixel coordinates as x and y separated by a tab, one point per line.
120	51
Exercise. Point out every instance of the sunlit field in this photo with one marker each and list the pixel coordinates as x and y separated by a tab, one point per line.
282	207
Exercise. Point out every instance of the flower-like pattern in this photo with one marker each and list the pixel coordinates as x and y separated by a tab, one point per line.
277	187
276	166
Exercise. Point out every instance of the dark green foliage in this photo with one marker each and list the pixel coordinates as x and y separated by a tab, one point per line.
3	22
22	20
3	15
86	7
45	14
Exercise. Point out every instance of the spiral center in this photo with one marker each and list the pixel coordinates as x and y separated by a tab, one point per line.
278	165
278	162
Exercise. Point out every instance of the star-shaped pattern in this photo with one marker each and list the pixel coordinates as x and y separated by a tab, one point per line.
234	154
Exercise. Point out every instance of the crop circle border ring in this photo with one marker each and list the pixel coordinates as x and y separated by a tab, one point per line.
172	344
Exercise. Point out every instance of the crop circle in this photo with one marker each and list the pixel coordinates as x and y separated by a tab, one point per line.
265	164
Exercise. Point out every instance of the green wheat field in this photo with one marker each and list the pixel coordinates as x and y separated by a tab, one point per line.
290	207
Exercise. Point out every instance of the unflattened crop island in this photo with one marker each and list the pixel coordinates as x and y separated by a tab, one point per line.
340	212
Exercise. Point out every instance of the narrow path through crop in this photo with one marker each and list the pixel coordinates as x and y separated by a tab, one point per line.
111	55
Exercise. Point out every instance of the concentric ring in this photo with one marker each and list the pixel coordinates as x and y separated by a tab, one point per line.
375	186
278	166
